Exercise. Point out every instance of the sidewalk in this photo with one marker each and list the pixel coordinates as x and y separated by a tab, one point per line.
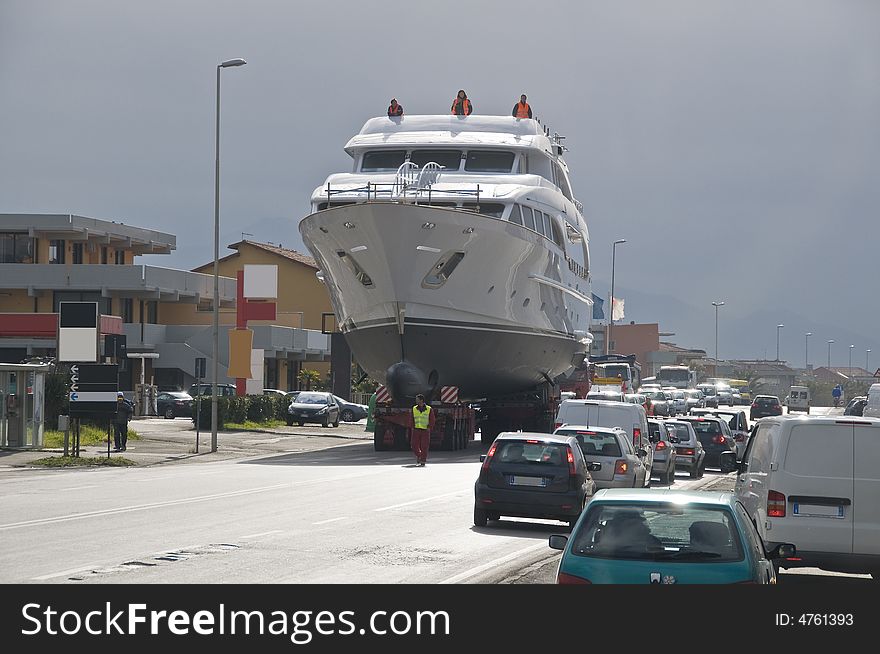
174	441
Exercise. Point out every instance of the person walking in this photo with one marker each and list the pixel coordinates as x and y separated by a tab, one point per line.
423	424
836	393
522	109
120	422
462	106
395	109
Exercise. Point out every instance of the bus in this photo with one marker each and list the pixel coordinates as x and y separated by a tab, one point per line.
677	376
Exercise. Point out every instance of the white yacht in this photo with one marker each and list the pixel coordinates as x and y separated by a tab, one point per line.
456	246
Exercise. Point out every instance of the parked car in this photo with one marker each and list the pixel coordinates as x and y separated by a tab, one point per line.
714	434
813	482
765	405
663	441
172	404
856	406
349	411
274	392
872	404
736	420
223	390
313	406
601	413
620	466
689	452
531	475
798	399
638	536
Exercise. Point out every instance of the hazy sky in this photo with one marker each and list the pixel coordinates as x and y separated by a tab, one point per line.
735	144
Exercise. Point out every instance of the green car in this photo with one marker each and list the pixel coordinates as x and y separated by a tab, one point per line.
651	536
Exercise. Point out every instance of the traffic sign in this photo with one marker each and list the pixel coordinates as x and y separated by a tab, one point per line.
93	389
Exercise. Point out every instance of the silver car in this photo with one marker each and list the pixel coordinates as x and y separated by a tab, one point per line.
689	453
694	399
679	402
621	465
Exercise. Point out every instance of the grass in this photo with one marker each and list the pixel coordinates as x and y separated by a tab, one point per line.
250	425
88	435
73	461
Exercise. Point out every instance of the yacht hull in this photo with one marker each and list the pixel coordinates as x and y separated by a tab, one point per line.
489	305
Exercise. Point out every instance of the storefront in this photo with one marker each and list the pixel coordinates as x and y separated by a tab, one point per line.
22	404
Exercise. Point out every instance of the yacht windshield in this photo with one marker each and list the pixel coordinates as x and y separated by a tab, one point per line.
382	160
449	159
488	161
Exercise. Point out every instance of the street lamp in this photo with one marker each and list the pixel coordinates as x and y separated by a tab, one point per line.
849	373
611	322
807	351
716	305
867	352
778	327
216	317
829	352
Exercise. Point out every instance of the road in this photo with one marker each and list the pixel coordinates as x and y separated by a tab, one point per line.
340	515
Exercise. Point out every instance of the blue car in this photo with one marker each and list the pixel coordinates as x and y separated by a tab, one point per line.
649	536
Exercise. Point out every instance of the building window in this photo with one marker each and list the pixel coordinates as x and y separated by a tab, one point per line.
152	313
78	252
127	309
104	255
16	248
120	257
56	251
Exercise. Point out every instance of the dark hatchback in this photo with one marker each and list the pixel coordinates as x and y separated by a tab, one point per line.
311	406
172	404
714	435
765	405
531	475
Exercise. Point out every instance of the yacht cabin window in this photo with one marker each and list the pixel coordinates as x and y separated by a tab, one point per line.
382	160
449	159
528	218
489	161
516	215
496	210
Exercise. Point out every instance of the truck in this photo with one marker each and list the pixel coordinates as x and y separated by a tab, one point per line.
620	371
677	376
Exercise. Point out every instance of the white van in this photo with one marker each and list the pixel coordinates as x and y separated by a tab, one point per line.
606	413
872	408
814	482
798	399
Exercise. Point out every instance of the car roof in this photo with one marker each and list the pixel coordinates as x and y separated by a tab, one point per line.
703	417
532	435
824	420
662	496
607	430
585	402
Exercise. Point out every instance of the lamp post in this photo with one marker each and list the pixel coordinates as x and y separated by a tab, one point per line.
829	352
216	313
849	371
867	352
611	322
716	305
778	327
807	350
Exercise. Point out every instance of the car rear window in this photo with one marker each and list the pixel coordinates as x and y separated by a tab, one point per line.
594	443
769	401
662	532
549	454
681	431
706	427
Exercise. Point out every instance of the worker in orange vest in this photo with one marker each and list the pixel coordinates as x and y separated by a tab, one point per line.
462	106
522	109
395	109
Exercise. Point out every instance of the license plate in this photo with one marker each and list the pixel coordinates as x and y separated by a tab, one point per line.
527	481
818	510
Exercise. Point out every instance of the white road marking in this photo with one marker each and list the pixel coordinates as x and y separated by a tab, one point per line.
324	522
263	533
76	488
152	478
473	572
427	499
64	573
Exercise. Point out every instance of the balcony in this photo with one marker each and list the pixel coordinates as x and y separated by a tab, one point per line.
144	282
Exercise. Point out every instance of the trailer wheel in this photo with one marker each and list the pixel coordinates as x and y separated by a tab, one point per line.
379	440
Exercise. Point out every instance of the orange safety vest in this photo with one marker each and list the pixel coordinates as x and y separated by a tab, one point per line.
398	111
467	106
522	109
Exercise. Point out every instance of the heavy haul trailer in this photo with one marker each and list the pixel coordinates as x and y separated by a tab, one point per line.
456	423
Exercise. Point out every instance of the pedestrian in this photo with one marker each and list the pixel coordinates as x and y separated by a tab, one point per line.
423	424
522	109
120	422
836	394
395	109
462	106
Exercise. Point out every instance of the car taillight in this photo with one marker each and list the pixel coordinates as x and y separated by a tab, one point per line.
489	456
660	445
563	578
719	440
775	504
620	467
687	451
754	405
637	434
572	471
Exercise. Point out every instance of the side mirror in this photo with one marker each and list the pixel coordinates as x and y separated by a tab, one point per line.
482	458
643	452
558	542
728	462
781	551
594	466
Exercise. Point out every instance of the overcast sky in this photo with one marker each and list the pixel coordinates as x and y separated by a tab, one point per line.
735	144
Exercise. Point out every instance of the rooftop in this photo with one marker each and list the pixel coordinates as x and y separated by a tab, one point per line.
292	255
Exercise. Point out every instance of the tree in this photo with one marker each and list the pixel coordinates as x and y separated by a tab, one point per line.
308	377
